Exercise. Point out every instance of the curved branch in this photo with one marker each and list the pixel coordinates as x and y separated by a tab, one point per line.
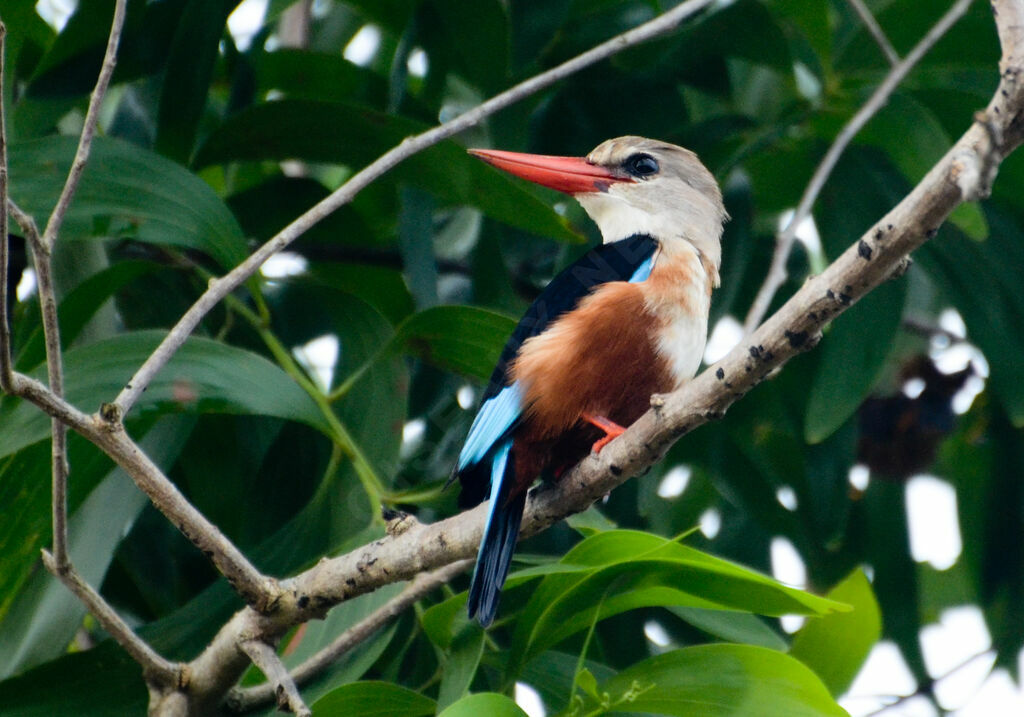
218	289
244	699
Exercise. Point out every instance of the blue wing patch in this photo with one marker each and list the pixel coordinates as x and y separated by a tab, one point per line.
497	415
643	271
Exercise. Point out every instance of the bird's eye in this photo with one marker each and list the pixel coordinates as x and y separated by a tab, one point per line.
642	165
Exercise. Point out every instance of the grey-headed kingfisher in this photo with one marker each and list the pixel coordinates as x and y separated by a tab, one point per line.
625	321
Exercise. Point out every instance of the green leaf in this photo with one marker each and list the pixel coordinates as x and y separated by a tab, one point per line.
317	76
717	681
853	356
204	376
914	140
194	50
835	646
993	309
484	703
476	35
45	615
733	626
553	674
460	664
463	339
382	288
126	191
620	570
121	692
355	136
79	306
369	699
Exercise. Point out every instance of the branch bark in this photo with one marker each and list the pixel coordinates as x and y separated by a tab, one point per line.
784	242
245	699
156	669
265	657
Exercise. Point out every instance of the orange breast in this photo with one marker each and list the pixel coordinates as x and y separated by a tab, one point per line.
600	358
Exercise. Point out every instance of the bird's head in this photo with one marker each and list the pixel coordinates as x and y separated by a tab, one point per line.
633	185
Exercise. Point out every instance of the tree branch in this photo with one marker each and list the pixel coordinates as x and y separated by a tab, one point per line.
875	30
155	668
42	260
243	699
265	657
218	289
92	116
959	176
256	589
784	241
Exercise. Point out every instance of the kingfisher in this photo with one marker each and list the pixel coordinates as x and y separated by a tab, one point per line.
625	321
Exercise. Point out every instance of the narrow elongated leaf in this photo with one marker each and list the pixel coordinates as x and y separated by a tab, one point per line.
126	191
204	376
319	76
733	626
993	309
374	698
853	356
347	134
717	681
121	692
460	665
914	140
382	288
464	339
835	646
80	305
45	616
630	569
194	51
484	703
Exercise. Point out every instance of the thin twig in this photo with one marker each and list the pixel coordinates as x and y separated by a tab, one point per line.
257	590
6	363
42	254
218	289
243	699
922	689
92	116
156	668
42	260
24	220
876	31
784	241
266	658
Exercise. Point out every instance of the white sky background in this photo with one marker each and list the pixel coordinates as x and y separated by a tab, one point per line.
970	691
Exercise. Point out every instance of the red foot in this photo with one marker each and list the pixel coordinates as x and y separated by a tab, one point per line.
611	428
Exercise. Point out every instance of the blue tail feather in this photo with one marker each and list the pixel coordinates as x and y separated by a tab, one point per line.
500	535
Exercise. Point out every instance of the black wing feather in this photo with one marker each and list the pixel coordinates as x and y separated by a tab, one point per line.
616	261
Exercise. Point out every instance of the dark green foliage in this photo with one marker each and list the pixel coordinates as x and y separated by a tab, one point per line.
208	147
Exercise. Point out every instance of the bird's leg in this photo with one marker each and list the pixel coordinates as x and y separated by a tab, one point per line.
611	428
